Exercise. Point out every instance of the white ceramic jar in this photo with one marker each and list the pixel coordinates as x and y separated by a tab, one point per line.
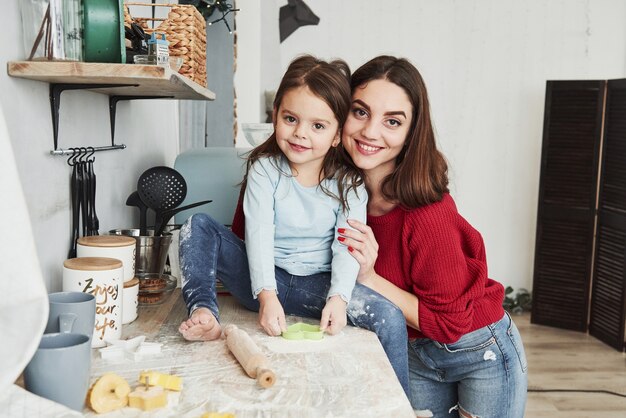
103	278
129	303
112	246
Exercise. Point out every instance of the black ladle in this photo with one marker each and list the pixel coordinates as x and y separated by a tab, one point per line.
135	200
94	222
161	189
166	215
74	186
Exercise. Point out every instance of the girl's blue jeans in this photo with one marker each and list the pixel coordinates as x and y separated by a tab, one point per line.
484	373
209	250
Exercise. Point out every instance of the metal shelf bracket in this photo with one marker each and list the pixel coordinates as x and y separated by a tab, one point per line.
113	108
55	100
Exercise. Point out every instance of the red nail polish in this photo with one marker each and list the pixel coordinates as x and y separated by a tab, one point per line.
350	249
341	230
341	239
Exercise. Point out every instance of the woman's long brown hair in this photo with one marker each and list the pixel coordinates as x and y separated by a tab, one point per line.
421	173
330	81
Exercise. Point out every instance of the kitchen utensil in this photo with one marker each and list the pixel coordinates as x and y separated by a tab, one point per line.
74	191
302	331
135	34
166	215
103	31
93	224
161	188
151	251
83	179
249	355
135	200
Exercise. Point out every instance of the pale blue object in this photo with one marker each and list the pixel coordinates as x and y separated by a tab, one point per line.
212	173
295	228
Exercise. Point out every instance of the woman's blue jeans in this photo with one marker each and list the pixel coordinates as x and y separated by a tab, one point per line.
209	250
484	373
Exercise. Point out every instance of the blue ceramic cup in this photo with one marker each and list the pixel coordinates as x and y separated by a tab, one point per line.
60	369
71	312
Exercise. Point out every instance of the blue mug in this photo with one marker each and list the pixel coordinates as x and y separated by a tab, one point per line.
71	312
60	369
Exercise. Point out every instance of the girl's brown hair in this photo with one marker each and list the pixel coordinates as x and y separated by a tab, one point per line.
421	173
330	81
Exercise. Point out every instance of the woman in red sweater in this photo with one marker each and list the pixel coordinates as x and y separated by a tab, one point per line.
466	356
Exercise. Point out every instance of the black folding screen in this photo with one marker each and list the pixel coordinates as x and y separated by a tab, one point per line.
572	289
567	199
608	295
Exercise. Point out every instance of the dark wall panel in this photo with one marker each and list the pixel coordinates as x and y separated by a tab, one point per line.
567	199
608	302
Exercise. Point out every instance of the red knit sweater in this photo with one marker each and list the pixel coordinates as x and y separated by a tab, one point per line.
438	256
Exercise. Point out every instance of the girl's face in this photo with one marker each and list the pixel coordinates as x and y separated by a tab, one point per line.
377	125
306	128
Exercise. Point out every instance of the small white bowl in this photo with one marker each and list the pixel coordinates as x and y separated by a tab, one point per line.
257	133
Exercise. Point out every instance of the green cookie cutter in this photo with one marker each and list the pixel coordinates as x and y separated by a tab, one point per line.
302	331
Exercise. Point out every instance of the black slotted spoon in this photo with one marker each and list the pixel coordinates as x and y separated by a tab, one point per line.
161	189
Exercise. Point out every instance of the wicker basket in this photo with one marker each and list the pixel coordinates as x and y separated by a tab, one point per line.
185	29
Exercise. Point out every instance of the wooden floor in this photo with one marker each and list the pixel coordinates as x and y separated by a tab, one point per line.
561	359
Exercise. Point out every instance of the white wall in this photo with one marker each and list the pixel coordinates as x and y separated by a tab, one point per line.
248	90
485	63
149	129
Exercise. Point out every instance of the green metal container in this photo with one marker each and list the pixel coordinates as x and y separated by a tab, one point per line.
103	31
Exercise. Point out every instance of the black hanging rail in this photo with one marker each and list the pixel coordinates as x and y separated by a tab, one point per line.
72	151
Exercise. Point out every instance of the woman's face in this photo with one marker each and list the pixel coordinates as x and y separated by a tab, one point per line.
377	125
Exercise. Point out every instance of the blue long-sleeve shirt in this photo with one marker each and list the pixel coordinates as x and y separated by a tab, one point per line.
295	228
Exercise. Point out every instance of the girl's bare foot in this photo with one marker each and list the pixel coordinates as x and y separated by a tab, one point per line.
201	326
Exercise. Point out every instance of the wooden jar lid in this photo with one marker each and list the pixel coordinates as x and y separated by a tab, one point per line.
107	241
132	282
92	263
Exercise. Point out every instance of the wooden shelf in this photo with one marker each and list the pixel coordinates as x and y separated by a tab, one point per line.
118	81
142	80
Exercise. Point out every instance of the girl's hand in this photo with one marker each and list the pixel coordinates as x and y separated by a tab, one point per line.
363	247
271	313
334	316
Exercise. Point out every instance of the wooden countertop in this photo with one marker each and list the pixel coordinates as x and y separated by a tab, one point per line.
347	375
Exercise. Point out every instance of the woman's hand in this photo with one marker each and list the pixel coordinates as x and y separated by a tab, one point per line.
363	246
271	313
334	316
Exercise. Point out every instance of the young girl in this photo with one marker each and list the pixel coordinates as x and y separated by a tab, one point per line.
299	193
466	357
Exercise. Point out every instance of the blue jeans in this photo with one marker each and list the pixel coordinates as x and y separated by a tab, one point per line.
483	373
208	251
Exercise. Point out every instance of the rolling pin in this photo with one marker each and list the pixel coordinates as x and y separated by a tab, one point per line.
249	356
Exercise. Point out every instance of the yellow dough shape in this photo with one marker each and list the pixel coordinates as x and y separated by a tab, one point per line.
218	415
108	393
166	381
147	399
